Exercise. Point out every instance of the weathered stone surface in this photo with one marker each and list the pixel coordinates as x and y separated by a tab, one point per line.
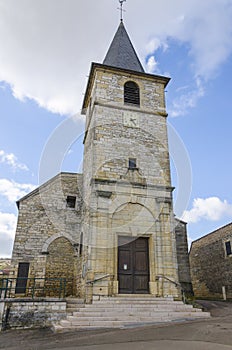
141	200
61	263
31	314
113	200
211	268
183	258
48	232
4	264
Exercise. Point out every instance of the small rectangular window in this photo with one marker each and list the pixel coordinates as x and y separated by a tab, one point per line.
228	248
71	202
132	163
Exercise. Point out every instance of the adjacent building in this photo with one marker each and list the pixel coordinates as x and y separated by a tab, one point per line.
211	264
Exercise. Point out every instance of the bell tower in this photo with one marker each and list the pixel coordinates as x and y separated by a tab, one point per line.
128	214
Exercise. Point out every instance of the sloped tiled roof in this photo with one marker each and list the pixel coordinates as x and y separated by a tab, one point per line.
121	53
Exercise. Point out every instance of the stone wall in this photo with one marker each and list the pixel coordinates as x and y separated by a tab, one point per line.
44	220
109	142
142	195
15	314
5	264
183	257
61	263
211	268
48	233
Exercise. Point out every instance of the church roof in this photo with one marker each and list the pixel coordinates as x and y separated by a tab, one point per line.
218	234
121	53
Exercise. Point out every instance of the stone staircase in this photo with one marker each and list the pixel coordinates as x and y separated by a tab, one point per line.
125	311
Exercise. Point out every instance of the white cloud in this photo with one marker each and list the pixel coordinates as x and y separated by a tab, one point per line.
11	160
154	44
208	36
49	47
212	209
152	65
182	104
7	233
7	224
13	190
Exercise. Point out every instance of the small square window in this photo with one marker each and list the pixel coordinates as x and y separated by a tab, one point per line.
132	163
228	248
71	202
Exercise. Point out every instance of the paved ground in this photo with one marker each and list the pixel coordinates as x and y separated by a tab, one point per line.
213	334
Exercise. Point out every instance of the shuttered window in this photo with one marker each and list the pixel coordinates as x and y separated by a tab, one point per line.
131	93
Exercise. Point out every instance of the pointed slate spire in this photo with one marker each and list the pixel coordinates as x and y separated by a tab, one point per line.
121	53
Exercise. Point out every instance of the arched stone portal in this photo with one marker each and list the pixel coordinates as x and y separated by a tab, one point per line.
133	219
60	264
134	228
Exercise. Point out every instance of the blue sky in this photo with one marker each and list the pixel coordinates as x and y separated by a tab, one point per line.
45	56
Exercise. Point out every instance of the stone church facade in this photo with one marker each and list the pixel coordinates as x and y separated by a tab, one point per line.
111	230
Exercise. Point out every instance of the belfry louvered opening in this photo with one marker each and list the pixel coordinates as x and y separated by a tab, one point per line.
131	93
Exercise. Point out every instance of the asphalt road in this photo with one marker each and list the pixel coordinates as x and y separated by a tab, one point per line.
213	334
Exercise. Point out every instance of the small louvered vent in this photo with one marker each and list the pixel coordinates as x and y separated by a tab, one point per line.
131	93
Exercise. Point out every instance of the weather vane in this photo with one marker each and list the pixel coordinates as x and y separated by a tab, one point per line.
121	9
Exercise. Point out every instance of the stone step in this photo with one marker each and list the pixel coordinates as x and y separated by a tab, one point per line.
138	303
134	297
70	311
121	308
106	323
57	328
134	317
137	296
121	312
135	301
74	302
134	309
75	306
136	306
113	322
133	313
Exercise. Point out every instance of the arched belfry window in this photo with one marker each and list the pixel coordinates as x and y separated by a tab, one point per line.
131	93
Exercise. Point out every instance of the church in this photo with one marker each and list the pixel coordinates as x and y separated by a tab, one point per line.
110	230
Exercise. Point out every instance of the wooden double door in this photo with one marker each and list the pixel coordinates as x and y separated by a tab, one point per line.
133	265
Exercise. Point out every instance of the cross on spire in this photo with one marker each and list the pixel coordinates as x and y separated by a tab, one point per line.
121	9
